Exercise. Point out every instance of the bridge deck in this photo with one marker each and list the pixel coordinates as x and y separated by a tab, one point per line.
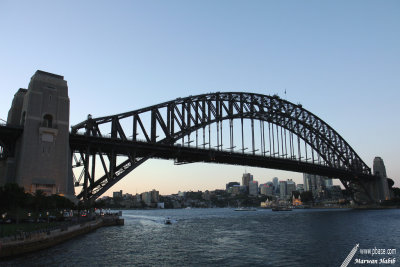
192	154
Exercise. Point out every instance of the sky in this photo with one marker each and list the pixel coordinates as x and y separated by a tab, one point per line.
339	59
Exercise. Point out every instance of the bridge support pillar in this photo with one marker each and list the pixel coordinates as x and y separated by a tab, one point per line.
377	189
42	154
369	192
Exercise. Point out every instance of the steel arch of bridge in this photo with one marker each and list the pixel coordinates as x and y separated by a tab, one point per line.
178	119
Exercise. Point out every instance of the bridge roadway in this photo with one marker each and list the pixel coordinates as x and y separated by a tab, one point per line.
182	155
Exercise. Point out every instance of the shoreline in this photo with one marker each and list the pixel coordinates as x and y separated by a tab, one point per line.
310	207
14	248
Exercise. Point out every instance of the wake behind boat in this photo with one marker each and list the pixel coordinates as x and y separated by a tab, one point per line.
245	209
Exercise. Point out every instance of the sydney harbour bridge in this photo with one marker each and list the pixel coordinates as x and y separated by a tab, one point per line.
236	128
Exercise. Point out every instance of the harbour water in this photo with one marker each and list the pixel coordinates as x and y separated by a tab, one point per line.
223	237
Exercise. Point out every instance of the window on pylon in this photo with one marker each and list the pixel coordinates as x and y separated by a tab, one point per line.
48	121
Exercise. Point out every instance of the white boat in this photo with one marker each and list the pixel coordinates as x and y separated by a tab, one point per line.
168	221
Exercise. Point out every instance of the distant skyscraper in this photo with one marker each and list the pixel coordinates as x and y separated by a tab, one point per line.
307	181
275	181
314	183
246	178
266	189
282	189
290	187
383	187
253	188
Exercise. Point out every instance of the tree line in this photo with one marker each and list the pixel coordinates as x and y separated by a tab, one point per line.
13	197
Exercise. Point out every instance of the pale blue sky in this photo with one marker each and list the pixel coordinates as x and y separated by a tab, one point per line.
340	59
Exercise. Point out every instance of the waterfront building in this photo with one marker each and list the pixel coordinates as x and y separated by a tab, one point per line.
155	195
206	195
146	197
137	199
267	204
253	188
296	201
282	189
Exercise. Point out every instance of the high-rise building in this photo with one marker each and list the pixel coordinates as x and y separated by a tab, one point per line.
291	186
383	187
314	183
246	179
267	189
146	197
154	196
282	189
237	190
275	181
253	188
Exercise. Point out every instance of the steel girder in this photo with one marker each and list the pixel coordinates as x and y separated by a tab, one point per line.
168	122
9	135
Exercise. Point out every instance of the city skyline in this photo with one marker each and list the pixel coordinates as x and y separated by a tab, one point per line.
343	67
246	184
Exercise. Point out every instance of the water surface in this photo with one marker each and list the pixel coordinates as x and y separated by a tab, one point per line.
223	237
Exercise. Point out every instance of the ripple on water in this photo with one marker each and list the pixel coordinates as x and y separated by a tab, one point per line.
222	237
